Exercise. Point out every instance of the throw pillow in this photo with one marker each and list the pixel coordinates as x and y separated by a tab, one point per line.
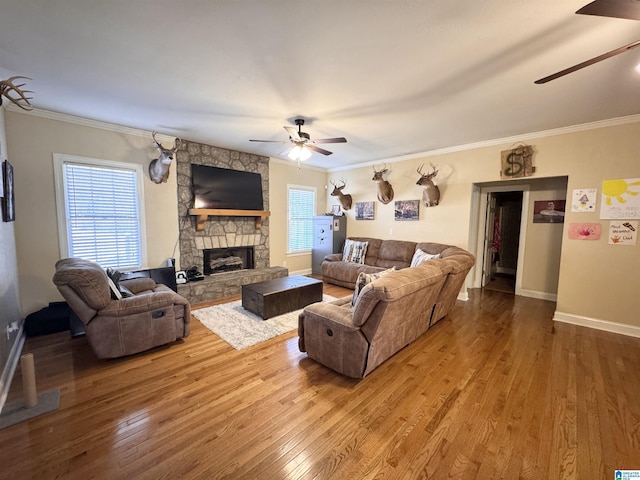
420	257
354	251
365	279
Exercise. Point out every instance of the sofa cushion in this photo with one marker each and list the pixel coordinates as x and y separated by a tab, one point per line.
365	279
396	253
354	251
420	257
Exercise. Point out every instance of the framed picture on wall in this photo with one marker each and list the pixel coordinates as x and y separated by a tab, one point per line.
8	205
365	210
407	210
548	211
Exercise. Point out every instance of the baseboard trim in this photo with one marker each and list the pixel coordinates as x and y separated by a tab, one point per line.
551	297
612	327
306	271
10	367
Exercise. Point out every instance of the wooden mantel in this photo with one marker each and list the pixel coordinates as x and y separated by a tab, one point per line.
204	213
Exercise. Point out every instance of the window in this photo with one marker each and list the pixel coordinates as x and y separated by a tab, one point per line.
301	207
100	213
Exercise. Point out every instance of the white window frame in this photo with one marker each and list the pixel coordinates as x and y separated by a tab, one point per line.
314	209
59	160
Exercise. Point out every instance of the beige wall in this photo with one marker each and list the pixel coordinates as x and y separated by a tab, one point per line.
282	174
595	280
32	142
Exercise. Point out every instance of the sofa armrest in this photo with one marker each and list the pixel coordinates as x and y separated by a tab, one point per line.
330	313
137	285
333	257
145	302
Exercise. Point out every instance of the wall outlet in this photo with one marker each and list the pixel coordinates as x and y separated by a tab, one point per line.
391	231
284	263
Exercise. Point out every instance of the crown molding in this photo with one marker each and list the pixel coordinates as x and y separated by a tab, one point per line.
612	122
88	122
500	141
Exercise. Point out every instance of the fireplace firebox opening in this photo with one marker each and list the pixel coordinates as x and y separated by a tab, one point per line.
218	260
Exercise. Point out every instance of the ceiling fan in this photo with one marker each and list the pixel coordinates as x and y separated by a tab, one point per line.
302	143
629	9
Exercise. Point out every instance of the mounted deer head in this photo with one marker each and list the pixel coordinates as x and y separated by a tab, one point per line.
385	190
431	192
159	168
7	87
344	198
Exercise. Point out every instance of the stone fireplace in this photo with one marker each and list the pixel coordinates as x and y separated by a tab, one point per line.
221	232
218	260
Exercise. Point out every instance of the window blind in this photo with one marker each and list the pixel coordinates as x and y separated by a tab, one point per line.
103	218
301	209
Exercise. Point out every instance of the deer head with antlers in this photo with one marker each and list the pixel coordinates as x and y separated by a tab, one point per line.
8	89
431	192
159	168
344	198
385	190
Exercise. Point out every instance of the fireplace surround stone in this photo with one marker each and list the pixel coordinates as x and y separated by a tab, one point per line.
222	231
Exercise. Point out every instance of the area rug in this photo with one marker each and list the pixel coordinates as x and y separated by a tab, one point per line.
241	328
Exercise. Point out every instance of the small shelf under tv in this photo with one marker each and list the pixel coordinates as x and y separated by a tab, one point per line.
203	214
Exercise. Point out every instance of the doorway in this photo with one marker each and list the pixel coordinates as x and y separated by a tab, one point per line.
501	209
500	262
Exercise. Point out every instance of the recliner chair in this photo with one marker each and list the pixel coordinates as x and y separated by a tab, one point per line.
153	315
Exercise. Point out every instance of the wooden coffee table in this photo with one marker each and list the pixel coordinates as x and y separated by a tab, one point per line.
274	297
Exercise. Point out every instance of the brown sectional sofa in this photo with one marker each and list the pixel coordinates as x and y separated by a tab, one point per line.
383	254
390	312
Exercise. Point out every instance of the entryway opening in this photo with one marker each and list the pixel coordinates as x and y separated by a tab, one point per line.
501	252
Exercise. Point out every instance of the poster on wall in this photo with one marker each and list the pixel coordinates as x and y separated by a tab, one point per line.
548	211
620	199
623	233
584	200
584	231
365	210
407	209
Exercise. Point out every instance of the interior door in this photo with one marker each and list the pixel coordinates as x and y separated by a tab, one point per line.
487	262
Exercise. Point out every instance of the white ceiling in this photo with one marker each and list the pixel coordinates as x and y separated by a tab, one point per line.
394	77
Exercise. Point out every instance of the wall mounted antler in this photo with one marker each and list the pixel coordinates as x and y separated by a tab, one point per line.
8	89
431	192
385	190
344	198
159	168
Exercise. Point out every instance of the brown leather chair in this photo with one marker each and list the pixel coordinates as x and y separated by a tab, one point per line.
152	315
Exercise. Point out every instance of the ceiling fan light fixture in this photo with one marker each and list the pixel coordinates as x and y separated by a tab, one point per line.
299	152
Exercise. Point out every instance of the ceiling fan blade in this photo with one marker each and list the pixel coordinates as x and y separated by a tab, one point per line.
591	61
293	133
269	141
629	9
318	149
330	140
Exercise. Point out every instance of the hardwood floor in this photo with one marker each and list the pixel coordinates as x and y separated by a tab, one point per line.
492	391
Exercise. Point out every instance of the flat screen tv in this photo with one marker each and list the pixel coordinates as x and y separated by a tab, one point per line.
224	188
